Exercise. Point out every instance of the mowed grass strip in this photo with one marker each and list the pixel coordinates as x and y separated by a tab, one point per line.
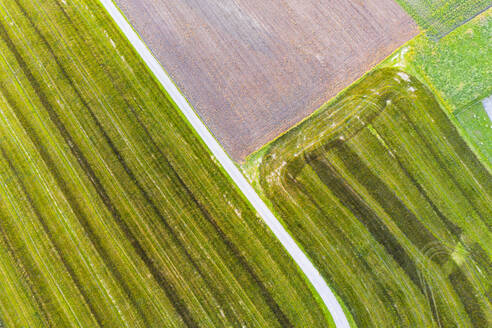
112	211
390	203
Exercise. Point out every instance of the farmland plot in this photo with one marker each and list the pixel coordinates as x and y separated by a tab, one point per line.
390	203
478	126
458	70
439	17
112	212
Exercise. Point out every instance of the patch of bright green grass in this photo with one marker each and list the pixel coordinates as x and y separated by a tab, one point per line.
458	67
458	70
438	17
478	127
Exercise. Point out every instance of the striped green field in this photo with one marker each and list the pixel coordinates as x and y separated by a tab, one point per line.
390	203
112	211
439	17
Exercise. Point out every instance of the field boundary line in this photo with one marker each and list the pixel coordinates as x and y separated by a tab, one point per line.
231	169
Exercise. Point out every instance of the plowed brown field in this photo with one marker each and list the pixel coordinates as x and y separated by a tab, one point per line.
254	68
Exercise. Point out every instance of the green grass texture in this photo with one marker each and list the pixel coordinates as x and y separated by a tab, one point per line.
458	69
112	211
478	127
439	17
390	203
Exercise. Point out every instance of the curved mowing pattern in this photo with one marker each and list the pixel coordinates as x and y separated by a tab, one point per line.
112	211
439	17
390	204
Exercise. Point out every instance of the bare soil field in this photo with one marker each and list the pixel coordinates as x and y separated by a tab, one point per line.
252	69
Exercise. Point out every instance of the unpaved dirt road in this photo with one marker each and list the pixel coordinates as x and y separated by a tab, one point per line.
253	68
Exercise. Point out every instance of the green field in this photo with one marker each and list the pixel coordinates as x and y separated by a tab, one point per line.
112	211
478	127
458	70
389	202
458	67
439	17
